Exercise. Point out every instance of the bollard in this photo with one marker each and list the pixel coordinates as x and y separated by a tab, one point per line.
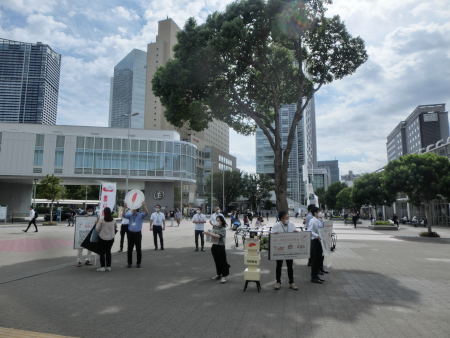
252	260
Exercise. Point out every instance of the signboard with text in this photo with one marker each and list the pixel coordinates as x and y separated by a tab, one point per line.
289	245
83	225
108	198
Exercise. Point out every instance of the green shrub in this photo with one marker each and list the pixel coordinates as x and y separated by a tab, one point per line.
426	234
114	215
383	223
264	243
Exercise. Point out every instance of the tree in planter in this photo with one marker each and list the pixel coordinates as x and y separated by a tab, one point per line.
343	199
368	190
257	187
51	189
422	178
234	186
331	193
241	65
320	192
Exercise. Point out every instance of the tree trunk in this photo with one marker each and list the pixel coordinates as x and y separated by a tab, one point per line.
280	183
426	208
51	212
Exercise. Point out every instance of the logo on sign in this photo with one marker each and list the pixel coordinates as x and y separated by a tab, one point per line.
195	139
159	195
108	188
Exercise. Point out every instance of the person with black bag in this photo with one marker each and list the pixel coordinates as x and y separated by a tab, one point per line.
106	228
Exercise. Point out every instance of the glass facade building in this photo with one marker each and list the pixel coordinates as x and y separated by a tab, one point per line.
29	82
303	153
127	93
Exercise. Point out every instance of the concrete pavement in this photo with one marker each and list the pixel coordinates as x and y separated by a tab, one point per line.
381	284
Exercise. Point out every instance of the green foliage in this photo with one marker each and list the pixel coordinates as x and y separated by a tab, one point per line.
264	245
234	186
343	199
383	223
320	192
257	187
239	67
422	178
331	194
268	205
51	189
368	190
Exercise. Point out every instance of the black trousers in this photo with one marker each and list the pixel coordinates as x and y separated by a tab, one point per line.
220	258
134	239
157	231
289	263
105	247
354	222
123	231
33	221
317	258
202	237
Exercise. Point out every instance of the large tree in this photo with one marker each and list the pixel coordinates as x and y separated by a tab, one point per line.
234	187
242	64
343	199
51	189
368	190
422	178
257	187
331	194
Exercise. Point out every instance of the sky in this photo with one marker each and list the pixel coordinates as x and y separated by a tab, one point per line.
408	42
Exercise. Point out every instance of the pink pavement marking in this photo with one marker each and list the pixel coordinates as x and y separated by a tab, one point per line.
34	244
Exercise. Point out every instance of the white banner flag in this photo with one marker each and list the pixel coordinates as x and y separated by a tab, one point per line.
108	197
316	200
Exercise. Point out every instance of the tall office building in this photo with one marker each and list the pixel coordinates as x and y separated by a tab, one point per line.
29	82
426	125
333	165
127	94
303	154
158	53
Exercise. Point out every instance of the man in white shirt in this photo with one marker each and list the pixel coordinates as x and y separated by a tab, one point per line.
199	220
32	219
124	228
158	225
284	225
214	216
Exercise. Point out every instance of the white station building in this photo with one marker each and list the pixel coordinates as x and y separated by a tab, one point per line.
90	155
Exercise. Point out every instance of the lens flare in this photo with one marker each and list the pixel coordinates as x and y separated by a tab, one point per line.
293	18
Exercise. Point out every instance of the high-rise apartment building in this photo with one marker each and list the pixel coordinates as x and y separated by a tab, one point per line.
127	94
303	154
158	53
426	125
29	82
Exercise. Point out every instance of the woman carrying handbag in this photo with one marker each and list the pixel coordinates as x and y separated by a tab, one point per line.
106	228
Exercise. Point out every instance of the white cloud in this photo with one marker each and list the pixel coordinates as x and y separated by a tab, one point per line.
126	14
350	152
122	30
29	6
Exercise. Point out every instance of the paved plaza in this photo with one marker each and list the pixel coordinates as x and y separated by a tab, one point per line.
381	284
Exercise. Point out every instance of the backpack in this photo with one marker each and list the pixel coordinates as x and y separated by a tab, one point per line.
36	214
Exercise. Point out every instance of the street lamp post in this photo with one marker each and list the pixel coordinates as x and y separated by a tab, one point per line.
129	148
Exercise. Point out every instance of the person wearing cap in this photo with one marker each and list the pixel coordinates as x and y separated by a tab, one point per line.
134	234
213	219
313	226
284	225
124	228
158	224
89	213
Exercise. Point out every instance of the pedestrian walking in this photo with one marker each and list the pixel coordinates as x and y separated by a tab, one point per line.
355	219
345	218
199	220
124	228
267	215
172	216
158	225
284	226
276	216
213	218
87	261
32	219
71	217
106	228
317	259
218	250
380	216
395	219
134	234
178	216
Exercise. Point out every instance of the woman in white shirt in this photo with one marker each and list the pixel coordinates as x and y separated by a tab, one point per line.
106	228
284	225
313	226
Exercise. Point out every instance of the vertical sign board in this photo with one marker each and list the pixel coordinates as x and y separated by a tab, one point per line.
289	245
325	234
3	211
83	225
108	198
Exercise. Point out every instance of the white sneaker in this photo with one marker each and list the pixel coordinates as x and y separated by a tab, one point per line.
216	277
223	280
101	269
108	269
